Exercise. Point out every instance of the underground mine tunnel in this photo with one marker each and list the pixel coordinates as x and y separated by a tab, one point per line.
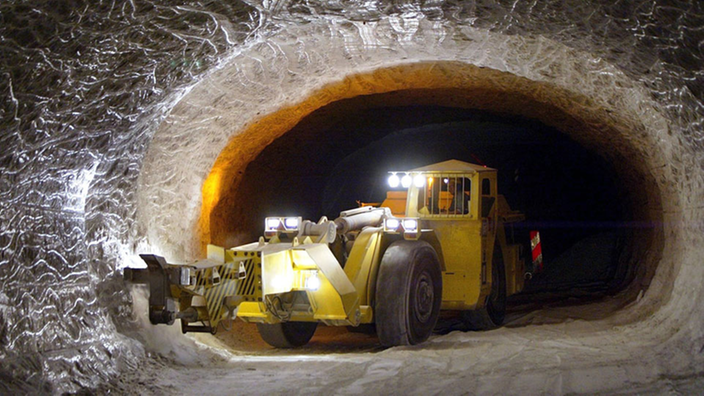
160	128
344	151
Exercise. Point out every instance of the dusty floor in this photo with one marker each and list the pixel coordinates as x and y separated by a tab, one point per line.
561	348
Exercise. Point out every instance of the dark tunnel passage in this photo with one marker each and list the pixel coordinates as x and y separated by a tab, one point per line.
340	154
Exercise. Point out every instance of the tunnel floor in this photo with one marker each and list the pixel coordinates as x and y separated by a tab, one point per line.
528	353
522	313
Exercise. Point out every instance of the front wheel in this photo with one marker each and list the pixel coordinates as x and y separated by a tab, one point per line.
287	334
408	293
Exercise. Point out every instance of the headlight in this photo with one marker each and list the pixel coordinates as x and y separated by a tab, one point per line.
291	223
272	223
419	181
393	181
391	225
280	282
406	181
313	282
411	228
410	225
275	225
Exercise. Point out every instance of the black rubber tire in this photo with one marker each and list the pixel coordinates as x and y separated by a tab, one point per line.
492	315
408	293
287	334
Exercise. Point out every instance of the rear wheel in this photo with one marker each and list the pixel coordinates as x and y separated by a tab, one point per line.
493	313
408	293
287	334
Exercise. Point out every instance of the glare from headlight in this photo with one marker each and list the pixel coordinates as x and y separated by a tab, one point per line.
406	181
393	181
419	181
392	224
410	224
313	282
291	223
279	282
272	223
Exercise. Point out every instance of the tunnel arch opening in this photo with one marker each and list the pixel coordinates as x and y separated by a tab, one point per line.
570	194
233	206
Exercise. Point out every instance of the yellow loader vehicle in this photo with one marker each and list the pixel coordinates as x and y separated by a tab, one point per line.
443	242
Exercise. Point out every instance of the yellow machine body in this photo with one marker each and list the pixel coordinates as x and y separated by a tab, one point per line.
465	238
329	273
283	290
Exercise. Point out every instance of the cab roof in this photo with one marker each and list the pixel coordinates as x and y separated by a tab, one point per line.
453	166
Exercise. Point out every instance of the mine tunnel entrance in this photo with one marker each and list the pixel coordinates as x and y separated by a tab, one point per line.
575	165
340	154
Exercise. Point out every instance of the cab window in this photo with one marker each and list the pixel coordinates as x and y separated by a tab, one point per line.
445	195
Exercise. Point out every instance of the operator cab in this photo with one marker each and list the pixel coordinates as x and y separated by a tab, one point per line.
448	190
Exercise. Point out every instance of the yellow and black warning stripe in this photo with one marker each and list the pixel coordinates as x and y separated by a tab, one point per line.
229	284
247	286
214	296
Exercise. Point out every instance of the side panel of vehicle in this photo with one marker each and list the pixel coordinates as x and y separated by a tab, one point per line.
460	251
363	260
514	262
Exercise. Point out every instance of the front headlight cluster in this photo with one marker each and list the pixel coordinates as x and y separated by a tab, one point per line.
418	180
409	227
285	281
276	225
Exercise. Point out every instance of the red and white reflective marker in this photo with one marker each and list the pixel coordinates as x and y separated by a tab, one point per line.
537	250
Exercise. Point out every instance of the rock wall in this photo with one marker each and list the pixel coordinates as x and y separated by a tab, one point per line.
121	120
